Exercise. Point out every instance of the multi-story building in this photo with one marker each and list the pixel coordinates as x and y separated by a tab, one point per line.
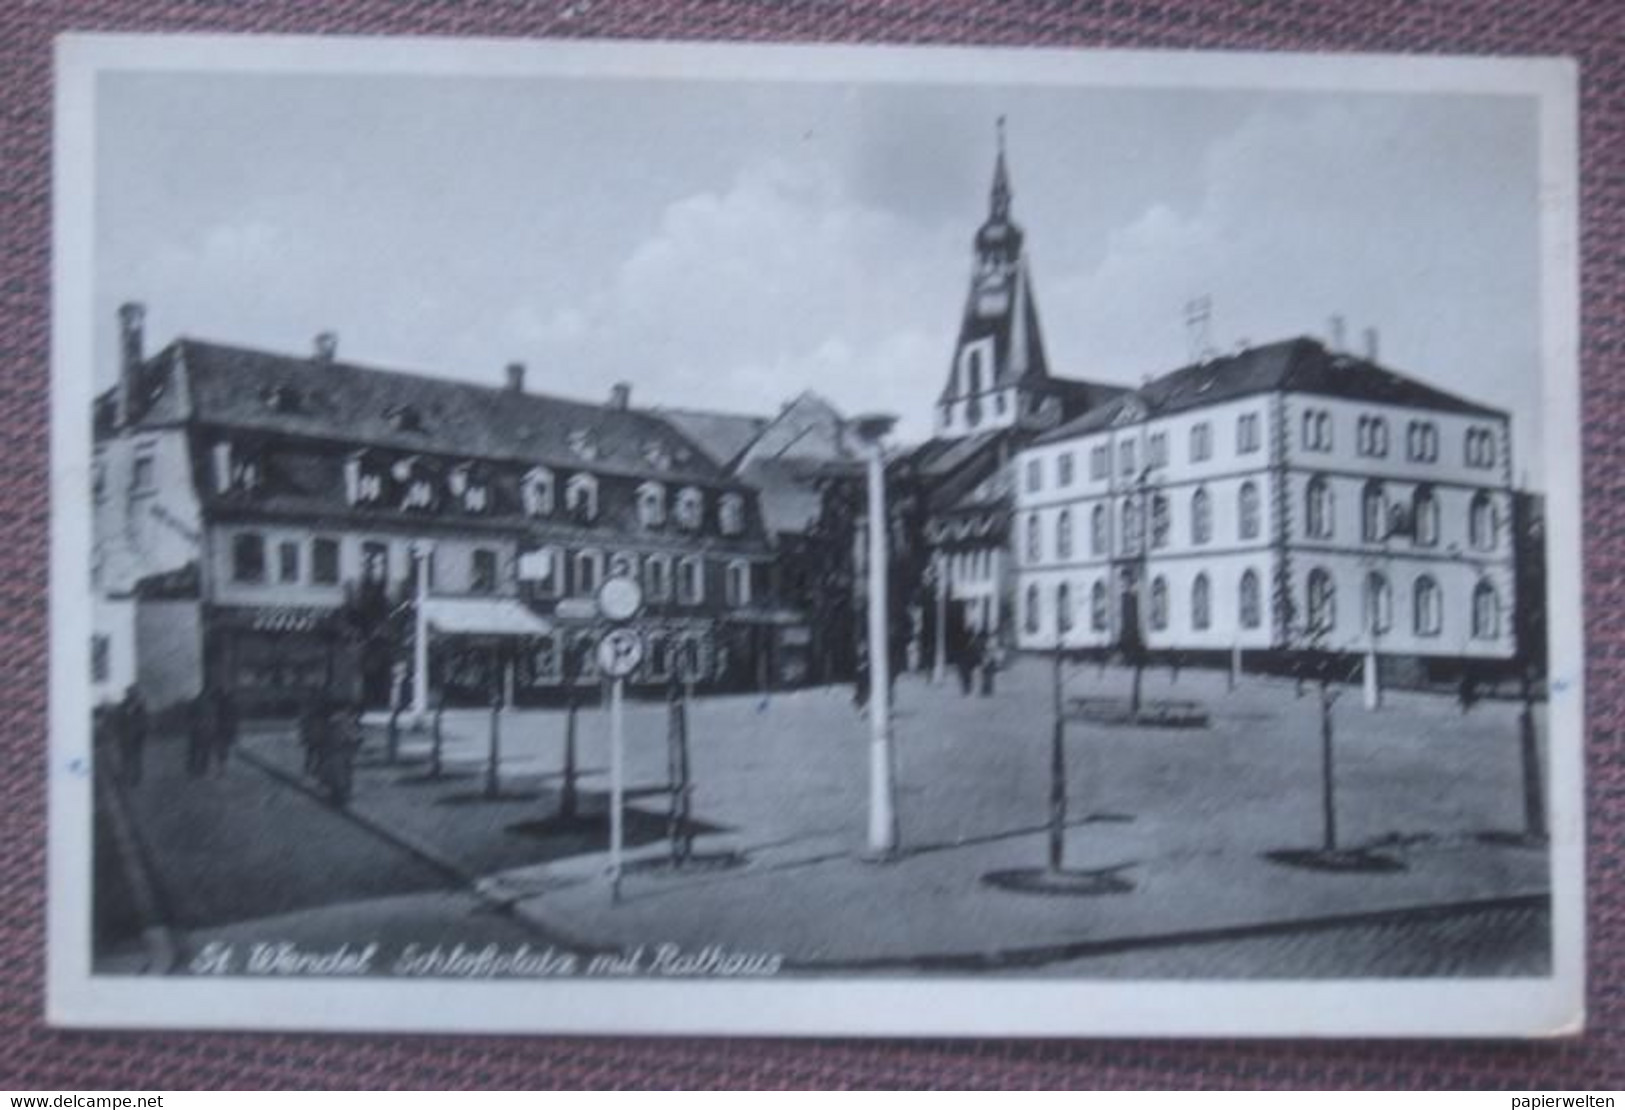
279	525
1287	497
999	394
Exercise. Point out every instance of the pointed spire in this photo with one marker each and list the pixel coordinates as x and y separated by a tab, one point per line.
1001	181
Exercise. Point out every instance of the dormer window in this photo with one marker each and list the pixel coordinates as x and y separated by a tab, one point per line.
471	487
415	481
235	470
363	481
283	397
690	509
581	497
651	505
404	418
537	492
657	454
583	443
731	514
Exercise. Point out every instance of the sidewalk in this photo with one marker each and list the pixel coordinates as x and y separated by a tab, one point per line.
1179	821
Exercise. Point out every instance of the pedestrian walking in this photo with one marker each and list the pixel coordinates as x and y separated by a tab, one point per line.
992	658
130	728
200	734
312	728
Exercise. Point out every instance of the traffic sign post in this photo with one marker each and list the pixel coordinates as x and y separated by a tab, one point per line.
619	653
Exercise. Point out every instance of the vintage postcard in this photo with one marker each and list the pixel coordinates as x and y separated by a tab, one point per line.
628	537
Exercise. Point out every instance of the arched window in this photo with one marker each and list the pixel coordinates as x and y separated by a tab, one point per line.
651	504
973	371
1201	603
1160	520
1379	603
1429	607
536	491
731	514
1097	530
1159	603
1481	524
1201	517
1099	613
581	497
1247	511
1425	516
1063	534
1373	513
589	569
1251	606
1318	508
1131	527
1063	608
1032	607
1322	601
1035	539
1486	612
690	510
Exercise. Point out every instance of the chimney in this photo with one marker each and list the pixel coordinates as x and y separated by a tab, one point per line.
1336	339
1370	344
131	318
327	347
516	377
620	396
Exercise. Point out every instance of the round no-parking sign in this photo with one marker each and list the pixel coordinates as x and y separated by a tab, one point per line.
620	652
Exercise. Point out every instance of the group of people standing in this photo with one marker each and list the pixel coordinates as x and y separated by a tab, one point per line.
211	732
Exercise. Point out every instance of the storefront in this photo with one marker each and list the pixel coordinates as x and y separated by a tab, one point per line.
273	658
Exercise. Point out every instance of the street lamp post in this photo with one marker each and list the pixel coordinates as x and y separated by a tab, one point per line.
872	429
940	660
421	553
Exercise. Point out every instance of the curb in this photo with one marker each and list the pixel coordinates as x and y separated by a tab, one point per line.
487	889
1039	955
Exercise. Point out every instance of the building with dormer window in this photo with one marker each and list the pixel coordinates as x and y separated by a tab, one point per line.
272	522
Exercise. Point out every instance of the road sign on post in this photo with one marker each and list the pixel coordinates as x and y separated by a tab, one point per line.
620	650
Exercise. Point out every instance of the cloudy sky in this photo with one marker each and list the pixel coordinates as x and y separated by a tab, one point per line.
728	245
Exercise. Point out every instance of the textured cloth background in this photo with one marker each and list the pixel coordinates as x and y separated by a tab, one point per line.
32	1056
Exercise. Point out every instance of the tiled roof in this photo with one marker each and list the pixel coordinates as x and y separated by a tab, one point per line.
721	435
340	401
1299	365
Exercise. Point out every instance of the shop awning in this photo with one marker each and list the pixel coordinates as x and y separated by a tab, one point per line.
483	616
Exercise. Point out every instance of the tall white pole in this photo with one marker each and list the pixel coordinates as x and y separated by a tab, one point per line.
882	810
420	635
616	788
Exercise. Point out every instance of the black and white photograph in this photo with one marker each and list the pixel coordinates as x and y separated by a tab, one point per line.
649	538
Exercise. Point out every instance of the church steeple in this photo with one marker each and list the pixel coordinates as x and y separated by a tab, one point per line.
999	208
999	357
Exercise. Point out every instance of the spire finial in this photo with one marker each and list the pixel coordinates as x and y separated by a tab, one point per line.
1001	180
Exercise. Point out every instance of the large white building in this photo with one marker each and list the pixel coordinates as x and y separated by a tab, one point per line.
1284	498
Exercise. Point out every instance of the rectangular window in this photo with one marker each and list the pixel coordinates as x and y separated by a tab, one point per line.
1157	450
482	571
1125	455
541	571
1247	440
1063	468
287	561
1100	462
1201	442
656	579
1035	475
738	584
324	561
248	557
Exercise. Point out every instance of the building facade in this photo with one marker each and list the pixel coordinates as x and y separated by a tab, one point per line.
1283	499
282	525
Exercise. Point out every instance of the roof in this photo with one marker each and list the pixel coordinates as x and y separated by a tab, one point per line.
299	396
1018	341
1300	365
721	435
789	492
